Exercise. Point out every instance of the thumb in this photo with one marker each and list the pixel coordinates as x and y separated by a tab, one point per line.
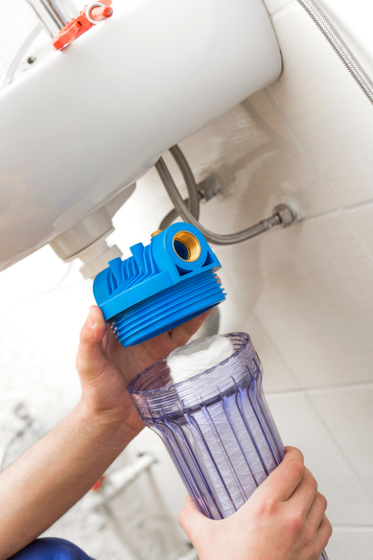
90	360
192	521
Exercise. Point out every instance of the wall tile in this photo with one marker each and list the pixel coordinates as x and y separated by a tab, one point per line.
233	311
362	221
324	107
236	316
300	426
253	154
348	414
274	6
311	287
346	544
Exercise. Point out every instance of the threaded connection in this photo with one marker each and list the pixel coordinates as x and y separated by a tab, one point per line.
187	246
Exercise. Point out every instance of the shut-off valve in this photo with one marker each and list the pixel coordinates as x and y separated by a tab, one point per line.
90	15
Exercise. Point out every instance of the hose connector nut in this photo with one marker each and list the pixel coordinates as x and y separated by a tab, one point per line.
285	214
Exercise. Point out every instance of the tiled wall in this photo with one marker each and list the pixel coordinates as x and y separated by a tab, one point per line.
304	294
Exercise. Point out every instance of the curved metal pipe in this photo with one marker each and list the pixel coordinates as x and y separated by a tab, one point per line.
215	238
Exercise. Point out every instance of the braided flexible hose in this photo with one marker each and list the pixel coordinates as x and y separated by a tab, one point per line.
339	46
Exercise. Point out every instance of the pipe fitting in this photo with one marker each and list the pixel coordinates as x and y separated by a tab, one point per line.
285	214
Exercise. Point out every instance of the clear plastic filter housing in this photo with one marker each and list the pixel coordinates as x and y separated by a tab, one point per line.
216	426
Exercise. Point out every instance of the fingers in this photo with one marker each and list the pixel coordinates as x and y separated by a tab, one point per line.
323	534
180	335
283	481
304	495
191	520
90	359
317	511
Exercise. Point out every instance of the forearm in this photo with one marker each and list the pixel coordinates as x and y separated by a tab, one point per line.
54	474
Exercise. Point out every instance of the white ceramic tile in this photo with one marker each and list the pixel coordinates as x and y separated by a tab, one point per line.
300	426
348	544
235	316
251	151
274	6
325	109
353	20
348	414
276	375
362	221
311	288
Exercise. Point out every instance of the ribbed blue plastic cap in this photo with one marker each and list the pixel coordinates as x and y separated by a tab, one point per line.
164	284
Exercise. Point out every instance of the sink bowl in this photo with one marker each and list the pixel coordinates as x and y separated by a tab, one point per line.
91	119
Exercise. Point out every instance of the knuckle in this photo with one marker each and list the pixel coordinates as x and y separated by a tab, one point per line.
310	481
329	527
323	501
295	521
296	468
266	506
309	535
313	483
293	453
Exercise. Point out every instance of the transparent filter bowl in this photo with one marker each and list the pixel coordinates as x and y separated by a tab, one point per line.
216	426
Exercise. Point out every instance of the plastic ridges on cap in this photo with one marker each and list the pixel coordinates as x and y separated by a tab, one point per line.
164	284
169	309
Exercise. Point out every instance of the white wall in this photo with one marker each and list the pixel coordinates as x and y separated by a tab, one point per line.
306	294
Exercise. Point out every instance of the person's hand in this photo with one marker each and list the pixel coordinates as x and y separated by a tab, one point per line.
283	520
105	367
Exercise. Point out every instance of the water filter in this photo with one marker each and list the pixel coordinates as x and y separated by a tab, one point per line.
216	426
162	285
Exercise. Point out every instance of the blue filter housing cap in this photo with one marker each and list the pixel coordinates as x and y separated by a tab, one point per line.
164	284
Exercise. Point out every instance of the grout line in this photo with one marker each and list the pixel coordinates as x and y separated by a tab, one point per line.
340	448
265	332
316	172
321	215
282	359
300	389
348	528
366	204
307	394
294	377
326	389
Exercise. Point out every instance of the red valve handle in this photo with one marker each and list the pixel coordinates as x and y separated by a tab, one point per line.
89	16
101	13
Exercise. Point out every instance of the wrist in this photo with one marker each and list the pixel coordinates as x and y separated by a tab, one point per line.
108	427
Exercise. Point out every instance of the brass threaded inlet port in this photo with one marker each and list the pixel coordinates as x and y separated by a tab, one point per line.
187	246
